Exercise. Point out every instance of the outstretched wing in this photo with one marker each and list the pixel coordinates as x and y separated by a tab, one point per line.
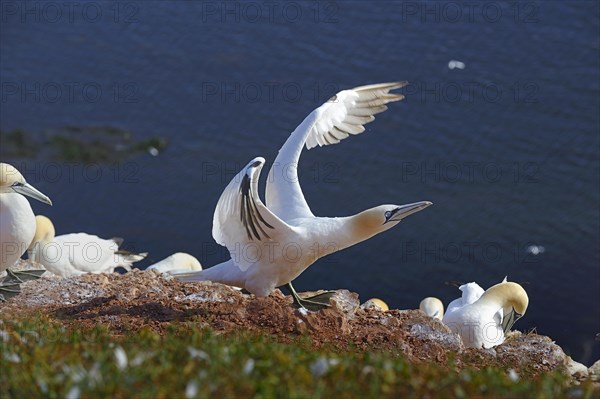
342	116
346	113
241	221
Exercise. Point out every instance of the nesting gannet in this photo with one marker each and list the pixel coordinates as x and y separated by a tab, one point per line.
485	321
78	253
376	303
432	307
176	262
17	221
271	245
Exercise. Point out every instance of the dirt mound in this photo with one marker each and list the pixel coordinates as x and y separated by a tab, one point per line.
133	300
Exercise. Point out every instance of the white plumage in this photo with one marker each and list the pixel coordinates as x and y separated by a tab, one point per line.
17	221
179	261
483	319
432	307
77	253
270	245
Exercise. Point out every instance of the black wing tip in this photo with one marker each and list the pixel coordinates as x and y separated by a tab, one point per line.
250	216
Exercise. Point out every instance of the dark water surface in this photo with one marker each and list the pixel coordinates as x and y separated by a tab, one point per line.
507	148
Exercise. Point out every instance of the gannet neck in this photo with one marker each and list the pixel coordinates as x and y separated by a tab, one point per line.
44	234
365	225
342	116
506	295
344	232
283	186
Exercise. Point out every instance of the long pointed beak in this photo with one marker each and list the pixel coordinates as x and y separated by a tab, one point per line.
509	320
407	210
30	191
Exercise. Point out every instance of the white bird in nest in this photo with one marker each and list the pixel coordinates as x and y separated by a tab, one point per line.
272	245
482	319
432	307
179	261
78	253
17	220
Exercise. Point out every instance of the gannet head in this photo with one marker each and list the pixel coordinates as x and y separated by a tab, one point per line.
44	233
186	261
395	213
12	181
384	217
512	298
432	307
376	303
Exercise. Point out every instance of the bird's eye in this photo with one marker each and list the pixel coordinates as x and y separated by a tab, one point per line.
388	214
17	184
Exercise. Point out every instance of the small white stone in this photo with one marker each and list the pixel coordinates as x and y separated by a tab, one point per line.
249	366
121	358
191	390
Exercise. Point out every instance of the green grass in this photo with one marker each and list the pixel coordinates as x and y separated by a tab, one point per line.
41	358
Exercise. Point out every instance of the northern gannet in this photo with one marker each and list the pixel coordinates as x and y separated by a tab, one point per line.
376	303
175	262
432	307
17	220
271	245
78	253
484	322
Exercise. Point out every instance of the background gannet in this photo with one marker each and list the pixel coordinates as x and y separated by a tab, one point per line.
17	221
432	307
376	303
242	222
485	321
77	253
177	261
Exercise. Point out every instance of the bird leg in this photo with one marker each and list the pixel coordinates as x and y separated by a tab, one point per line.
316	302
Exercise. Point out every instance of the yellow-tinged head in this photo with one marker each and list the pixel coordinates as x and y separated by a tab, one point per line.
44	233
44	230
511	297
383	217
508	294
432	307
377	304
186	261
12	181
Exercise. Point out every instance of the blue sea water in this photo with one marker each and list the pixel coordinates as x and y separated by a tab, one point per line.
507	149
